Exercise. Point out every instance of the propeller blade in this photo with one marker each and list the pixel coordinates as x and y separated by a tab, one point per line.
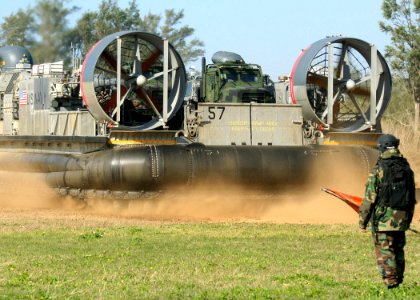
320	80
122	101
111	61
161	74
150	102
359	90
137	68
356	104
147	63
342	56
324	114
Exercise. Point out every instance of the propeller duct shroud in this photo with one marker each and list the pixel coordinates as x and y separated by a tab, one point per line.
337	80
124	79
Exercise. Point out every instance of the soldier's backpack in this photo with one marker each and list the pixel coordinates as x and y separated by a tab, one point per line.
398	188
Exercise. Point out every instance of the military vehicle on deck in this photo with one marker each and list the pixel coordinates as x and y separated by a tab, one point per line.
230	79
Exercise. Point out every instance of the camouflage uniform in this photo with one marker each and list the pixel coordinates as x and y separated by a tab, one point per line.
388	226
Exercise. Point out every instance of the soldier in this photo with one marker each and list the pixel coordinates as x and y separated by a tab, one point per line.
388	205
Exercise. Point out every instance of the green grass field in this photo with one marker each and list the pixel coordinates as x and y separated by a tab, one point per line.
52	258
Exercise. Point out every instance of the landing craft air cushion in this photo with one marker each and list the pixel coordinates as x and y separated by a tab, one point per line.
130	120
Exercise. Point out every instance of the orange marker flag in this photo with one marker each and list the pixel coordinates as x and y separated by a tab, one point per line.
353	201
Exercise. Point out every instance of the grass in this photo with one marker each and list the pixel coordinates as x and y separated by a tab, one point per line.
195	261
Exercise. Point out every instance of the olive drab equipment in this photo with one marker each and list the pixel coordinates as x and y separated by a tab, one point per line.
397	189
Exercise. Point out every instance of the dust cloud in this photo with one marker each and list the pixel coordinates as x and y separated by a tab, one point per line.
234	204
28	192
301	204
25	190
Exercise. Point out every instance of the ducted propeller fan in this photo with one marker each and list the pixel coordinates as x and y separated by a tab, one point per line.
342	83
133	80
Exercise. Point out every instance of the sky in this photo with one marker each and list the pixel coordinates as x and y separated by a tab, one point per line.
270	33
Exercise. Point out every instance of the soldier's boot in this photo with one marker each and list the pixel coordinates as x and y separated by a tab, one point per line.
393	286
391	281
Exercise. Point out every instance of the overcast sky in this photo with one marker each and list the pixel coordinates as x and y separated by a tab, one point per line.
267	32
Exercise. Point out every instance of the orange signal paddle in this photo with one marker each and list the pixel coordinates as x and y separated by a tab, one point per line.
353	201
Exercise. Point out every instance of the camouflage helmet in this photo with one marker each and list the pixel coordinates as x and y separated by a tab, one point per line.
387	141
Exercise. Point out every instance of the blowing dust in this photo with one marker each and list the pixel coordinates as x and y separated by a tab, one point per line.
235	204
25	190
28	192
302	204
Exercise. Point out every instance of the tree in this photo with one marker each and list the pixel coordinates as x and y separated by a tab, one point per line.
16	29
110	18
188	51
42	30
402	22
51	28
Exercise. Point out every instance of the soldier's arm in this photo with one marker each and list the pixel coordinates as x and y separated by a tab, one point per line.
369	199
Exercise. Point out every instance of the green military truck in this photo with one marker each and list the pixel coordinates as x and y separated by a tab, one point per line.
233	103
230	80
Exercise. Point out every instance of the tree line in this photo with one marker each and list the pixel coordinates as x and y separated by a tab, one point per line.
402	23
44	28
